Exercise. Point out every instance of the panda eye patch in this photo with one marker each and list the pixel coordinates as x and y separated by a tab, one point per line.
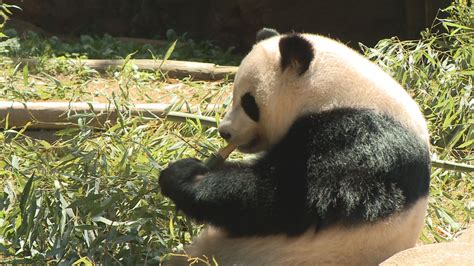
250	106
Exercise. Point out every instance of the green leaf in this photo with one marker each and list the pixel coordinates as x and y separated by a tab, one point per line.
171	227
25	75
90	200
83	260
168	53
83	227
456	25
26	193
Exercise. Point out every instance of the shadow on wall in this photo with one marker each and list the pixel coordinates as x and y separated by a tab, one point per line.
234	22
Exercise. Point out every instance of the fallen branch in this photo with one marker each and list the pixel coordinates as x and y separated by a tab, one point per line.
59	115
173	68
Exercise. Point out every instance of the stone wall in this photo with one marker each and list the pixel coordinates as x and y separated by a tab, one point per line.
233	22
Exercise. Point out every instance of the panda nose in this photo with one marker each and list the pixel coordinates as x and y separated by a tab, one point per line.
225	135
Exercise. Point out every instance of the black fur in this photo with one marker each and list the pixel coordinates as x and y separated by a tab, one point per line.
296	51
266	33
343	166
250	106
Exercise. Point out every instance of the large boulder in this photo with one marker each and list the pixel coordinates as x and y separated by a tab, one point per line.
458	252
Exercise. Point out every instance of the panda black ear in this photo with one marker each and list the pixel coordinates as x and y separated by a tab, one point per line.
266	33
296	52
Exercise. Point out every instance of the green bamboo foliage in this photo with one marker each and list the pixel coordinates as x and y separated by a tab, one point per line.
91	197
438	71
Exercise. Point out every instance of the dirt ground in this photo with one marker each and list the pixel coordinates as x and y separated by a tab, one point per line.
103	89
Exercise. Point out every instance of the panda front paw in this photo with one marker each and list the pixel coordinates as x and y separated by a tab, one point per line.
175	179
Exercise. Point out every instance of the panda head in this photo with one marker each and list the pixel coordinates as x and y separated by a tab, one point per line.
288	76
267	95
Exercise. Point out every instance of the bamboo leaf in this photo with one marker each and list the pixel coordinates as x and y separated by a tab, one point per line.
168	53
26	193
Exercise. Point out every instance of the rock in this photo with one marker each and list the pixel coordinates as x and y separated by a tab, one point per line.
468	235
457	252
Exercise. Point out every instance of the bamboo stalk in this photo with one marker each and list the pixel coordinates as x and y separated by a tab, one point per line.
447	165
173	68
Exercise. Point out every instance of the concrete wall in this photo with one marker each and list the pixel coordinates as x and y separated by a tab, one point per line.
234	22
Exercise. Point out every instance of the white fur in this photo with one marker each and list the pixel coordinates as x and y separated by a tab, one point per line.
363	245
338	77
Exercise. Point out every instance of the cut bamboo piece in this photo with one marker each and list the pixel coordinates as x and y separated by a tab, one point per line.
58	115
217	159
173	68
226	151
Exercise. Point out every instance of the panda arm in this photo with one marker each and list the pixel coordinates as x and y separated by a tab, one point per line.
227	197
346	166
267	196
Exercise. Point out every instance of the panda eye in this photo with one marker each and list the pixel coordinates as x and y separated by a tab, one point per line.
250	106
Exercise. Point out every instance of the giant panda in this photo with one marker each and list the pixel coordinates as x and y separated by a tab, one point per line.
343	165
